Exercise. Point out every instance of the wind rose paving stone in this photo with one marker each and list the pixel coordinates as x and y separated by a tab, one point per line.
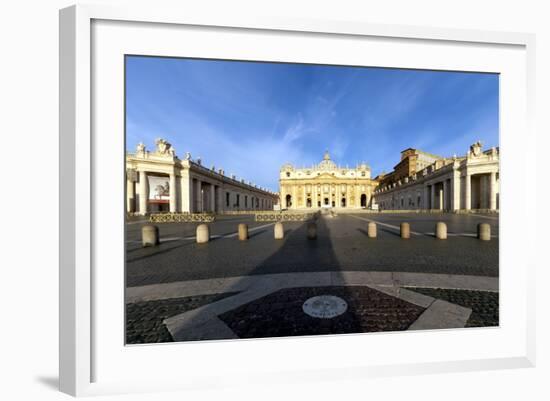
282	313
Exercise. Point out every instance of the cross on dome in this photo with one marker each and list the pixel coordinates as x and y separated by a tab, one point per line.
326	163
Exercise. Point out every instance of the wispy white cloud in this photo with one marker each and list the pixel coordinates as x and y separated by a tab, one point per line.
295	131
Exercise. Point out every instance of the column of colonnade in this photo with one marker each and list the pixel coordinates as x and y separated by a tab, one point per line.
492	191
468	191
173	193
445	205
212	198
186	192
455	191
143	192
130	195
426	204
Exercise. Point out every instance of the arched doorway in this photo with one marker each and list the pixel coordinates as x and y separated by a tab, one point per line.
343	202
308	203
363	200
326	201
288	201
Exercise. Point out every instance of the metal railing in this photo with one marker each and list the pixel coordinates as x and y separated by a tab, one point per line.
182	217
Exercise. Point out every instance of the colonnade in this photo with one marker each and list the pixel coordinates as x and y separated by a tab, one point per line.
193	194
448	192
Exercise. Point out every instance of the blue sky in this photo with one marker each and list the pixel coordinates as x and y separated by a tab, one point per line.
250	118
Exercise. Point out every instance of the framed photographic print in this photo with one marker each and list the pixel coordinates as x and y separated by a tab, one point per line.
238	191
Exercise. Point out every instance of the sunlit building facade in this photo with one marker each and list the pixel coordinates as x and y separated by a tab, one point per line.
326	185
159	181
470	182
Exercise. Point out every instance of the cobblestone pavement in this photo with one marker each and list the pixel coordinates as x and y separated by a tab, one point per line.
342	244
144	319
281	314
484	304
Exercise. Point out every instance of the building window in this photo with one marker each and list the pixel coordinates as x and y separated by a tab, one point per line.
238	200
245	201
287	174
227	199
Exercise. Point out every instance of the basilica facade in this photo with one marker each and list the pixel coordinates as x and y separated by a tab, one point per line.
326	185
158	181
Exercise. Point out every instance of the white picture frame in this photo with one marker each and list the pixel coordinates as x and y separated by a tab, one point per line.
83	352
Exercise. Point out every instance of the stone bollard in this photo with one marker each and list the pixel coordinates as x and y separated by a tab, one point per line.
278	230
311	231
150	235
441	230
405	231
243	232
371	229
484	231
203	233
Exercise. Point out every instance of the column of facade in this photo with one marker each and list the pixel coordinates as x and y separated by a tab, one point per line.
304	196
493	191
173	193
467	191
313	195
432	196
130	195
294	197
143	192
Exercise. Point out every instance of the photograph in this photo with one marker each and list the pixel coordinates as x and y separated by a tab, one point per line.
276	199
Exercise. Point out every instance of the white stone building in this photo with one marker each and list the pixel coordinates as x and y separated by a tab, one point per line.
458	183
326	185
160	182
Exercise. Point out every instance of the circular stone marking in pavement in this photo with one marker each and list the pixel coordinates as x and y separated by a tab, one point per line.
325	306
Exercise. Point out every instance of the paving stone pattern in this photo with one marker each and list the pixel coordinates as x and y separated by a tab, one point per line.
280	314
484	304
144	319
